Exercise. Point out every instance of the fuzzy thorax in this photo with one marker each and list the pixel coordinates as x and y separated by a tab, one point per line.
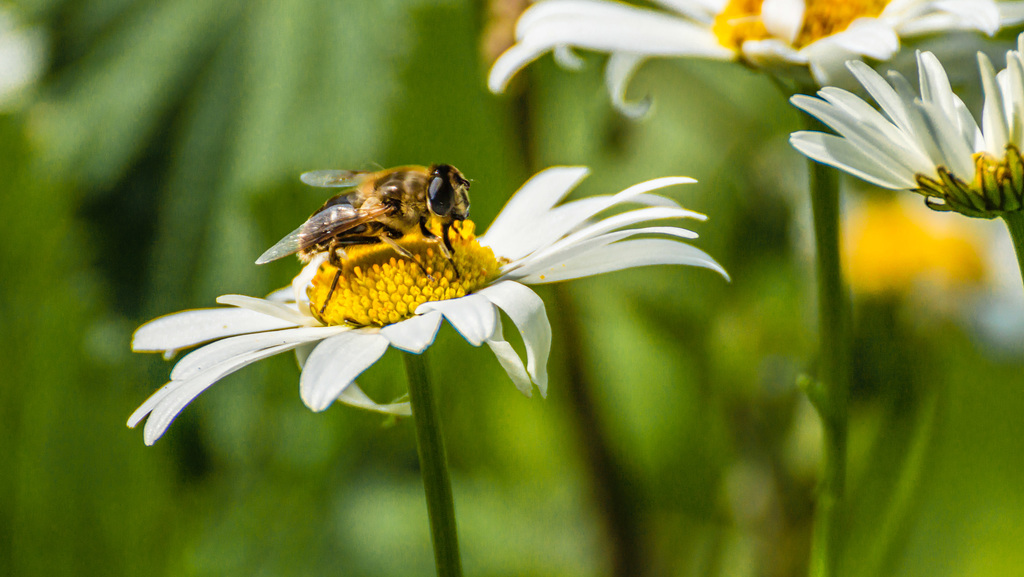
378	286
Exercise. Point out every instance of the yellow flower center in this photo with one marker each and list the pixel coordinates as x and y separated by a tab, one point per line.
741	20
996	188
377	286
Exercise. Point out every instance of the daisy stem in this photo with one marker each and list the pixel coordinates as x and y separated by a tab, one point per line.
1015	224
831	392
434	467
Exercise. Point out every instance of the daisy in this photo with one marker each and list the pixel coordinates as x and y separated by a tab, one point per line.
800	38
383	301
928	143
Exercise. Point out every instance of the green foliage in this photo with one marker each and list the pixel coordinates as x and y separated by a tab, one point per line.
161	156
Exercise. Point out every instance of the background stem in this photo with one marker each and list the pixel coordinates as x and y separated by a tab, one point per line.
608	479
434	467
1015	224
830	394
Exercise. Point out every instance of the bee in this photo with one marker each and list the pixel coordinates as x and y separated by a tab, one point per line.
379	207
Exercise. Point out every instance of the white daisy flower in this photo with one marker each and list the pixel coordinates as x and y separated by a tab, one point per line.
928	143
381	301
792	37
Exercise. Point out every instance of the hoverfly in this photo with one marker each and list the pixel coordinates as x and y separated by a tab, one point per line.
380	206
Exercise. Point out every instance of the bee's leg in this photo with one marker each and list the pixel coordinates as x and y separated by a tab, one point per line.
330	293
446	244
397	247
334	258
426	231
389	240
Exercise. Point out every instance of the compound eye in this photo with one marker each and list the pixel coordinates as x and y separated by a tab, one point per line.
440	196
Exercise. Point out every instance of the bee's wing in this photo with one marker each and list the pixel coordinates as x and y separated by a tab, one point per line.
329	222
332	178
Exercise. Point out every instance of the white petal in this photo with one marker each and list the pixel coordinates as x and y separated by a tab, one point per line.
771	53
540	12
993	116
302	353
558	254
604	27
510	361
215	353
887	98
920	127
934	83
702	11
618	73
526	309
955	152
838	152
632	217
355	397
533	199
657	200
1011	13
287	312
472	315
413	335
567	58
188	328
281	295
969	131
609	224
872	134
1011	81
866	128
783	18
946	15
304	279
868	37
547	229
170	400
335	363
623	255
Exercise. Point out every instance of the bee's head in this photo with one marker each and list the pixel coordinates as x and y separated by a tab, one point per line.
448	192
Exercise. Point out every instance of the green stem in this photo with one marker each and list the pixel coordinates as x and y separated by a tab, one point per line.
831	394
1015	224
434	466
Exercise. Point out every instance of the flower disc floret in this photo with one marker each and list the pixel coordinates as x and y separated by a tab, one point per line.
997	187
377	286
741	20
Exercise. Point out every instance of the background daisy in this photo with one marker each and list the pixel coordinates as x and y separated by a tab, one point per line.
791	38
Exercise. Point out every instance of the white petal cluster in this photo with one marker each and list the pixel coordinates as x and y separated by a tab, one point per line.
915	134
542	242
632	34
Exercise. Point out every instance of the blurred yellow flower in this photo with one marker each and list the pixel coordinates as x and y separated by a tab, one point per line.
891	248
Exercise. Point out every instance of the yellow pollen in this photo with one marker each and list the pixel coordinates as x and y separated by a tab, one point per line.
377	286
741	20
997	186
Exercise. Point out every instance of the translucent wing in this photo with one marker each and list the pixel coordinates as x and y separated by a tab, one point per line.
331	221
333	178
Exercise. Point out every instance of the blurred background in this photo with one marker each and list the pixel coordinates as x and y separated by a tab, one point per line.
150	151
